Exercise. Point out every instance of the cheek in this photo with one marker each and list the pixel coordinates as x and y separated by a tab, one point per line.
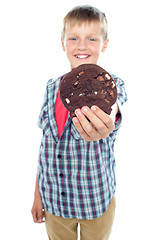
69	50
96	52
96	49
70	46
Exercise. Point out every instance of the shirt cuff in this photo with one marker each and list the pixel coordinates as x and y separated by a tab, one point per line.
118	120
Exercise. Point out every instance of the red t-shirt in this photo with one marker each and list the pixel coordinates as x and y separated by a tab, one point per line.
61	115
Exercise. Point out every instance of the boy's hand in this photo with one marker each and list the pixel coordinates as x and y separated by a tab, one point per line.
38	210
100	125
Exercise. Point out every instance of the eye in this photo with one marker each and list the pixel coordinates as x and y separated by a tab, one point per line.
73	39
92	39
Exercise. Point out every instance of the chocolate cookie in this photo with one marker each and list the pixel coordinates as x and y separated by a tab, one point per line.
88	85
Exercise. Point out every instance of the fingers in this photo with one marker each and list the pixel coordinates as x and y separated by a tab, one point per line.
105	119
38	215
84	127
100	124
80	129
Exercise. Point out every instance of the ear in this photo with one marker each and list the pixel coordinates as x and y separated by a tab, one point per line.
63	47
105	45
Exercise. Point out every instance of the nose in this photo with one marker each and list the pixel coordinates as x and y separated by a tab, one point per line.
82	45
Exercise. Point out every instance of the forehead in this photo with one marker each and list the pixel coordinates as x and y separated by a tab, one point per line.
84	27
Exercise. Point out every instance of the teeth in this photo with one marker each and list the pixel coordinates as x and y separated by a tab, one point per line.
82	56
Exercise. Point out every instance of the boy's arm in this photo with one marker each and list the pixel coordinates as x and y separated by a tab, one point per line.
100	125
37	209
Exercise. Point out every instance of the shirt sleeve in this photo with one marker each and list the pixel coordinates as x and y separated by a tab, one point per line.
43	116
121	99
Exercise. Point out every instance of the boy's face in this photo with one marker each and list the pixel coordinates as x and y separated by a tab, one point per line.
83	43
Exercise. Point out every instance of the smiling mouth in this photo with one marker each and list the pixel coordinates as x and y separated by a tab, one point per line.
82	56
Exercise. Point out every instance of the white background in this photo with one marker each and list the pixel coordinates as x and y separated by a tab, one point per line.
30	54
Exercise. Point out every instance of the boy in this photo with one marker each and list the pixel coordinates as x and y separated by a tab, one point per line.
76	171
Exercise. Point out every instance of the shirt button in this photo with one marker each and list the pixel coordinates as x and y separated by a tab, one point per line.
62	193
61	174
59	155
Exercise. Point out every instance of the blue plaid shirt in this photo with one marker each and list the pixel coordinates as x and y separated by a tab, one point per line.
76	178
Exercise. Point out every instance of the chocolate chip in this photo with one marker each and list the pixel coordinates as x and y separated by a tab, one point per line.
107	76
100	78
80	73
67	100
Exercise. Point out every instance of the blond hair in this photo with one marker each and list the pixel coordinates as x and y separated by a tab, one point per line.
85	13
